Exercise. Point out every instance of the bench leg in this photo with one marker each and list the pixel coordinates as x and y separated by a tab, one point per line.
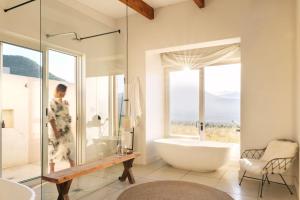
63	190
127	173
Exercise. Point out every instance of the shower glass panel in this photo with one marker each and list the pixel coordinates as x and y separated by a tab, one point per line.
21	119
120	88
92	66
20	91
104	99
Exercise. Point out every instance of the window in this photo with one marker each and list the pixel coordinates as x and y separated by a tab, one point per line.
104	105
222	103
205	102
184	102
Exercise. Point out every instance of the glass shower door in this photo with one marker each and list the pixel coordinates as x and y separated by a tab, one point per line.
21	112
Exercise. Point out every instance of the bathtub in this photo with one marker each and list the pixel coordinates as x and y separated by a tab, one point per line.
14	191
192	154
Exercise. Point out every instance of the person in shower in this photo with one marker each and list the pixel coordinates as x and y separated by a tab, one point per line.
61	142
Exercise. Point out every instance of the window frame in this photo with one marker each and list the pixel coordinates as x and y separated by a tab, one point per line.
201	103
202	110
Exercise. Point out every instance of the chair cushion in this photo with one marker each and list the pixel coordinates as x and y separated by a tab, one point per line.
280	149
257	167
253	166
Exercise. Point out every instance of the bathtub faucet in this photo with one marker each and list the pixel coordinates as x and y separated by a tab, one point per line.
201	129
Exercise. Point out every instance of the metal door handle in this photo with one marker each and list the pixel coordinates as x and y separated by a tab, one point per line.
201	126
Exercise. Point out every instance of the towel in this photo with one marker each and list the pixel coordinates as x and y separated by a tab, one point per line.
134	104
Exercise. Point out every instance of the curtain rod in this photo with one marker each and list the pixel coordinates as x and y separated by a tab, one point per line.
19	5
81	38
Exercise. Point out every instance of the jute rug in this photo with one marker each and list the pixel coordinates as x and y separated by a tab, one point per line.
173	190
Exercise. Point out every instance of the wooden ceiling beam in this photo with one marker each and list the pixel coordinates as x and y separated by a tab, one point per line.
141	7
200	3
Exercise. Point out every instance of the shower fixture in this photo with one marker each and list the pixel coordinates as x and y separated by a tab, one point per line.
63	34
76	37
19	5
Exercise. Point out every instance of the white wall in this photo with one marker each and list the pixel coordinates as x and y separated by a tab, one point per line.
15	140
267	32
155	115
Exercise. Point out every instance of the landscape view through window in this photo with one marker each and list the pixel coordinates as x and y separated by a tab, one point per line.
221	113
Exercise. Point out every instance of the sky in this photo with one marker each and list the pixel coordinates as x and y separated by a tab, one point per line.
60	64
20	51
218	79
63	66
222	89
223	79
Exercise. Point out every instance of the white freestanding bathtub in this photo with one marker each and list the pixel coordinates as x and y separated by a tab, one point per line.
192	154
14	191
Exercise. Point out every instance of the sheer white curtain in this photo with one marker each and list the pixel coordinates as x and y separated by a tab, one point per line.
199	58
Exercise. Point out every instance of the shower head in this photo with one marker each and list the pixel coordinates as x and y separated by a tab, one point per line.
64	34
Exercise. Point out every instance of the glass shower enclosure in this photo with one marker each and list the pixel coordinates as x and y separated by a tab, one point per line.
20	91
43	44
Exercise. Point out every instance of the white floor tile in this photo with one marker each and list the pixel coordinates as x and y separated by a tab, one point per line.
167	173
201	180
105	184
217	174
248	188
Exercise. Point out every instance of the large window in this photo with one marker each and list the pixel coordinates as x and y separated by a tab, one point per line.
205	102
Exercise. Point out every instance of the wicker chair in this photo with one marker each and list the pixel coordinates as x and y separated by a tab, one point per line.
276	158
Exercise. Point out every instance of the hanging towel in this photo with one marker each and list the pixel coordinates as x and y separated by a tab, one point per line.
134	109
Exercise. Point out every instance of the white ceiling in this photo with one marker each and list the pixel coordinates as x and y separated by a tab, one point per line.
116	9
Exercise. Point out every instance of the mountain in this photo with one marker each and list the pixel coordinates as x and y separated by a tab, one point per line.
230	95
23	66
224	108
218	108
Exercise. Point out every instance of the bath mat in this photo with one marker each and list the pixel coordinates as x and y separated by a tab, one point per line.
173	190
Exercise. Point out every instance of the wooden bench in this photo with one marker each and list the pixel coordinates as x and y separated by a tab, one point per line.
63	179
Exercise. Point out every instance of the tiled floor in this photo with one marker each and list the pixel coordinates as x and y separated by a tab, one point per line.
23	172
104	185
28	171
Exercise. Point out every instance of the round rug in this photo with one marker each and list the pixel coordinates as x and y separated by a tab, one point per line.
173	190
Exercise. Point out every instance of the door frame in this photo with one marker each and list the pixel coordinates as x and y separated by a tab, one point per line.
80	104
